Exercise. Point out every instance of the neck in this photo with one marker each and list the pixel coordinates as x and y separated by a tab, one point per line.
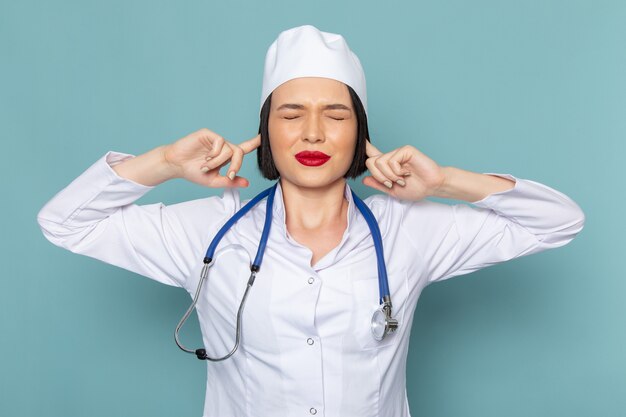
311	209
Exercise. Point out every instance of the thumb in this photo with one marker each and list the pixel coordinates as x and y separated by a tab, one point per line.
373	183
239	182
225	182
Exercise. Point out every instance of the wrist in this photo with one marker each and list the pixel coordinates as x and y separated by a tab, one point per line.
444	189
469	186
150	168
168	168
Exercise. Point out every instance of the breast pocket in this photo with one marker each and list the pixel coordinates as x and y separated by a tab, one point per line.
365	297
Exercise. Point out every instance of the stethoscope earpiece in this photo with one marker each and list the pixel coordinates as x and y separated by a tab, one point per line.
201	354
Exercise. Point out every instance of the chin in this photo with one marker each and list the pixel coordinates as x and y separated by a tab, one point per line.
304	180
313	177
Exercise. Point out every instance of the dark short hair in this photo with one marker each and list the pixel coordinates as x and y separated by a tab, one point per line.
264	152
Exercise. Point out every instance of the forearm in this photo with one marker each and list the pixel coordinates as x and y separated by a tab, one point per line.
149	169
470	186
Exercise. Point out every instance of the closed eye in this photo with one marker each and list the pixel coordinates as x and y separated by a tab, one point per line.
295	117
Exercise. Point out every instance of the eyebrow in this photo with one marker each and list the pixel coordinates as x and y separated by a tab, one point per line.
336	106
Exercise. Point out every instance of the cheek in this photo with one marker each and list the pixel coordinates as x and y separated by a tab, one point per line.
280	135
279	144
349	135
349	142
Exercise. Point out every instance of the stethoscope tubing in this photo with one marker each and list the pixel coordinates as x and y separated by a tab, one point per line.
270	192
383	284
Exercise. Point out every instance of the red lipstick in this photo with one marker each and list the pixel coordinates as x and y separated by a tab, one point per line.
312	158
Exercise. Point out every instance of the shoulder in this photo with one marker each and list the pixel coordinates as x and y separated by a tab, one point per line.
227	202
391	212
204	214
384	205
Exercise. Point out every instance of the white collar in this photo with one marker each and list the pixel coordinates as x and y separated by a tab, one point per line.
341	250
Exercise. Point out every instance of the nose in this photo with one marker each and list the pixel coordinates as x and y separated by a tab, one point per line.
313	129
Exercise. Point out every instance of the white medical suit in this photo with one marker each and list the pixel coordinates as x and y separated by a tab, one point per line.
306	346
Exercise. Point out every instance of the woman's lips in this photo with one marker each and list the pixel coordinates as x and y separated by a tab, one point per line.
312	158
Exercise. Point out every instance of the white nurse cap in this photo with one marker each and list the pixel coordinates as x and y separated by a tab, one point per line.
305	51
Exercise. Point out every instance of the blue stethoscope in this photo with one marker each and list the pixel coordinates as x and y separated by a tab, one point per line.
382	322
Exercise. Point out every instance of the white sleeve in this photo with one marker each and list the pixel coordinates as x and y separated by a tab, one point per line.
95	216
459	239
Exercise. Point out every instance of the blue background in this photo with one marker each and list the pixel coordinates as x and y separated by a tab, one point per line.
535	88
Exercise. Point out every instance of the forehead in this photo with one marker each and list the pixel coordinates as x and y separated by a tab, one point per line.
311	90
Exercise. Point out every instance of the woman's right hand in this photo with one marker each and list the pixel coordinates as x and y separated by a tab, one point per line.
199	156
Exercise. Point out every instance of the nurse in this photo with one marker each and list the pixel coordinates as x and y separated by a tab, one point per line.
306	344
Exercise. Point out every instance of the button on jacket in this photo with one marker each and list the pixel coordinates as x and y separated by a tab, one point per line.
306	347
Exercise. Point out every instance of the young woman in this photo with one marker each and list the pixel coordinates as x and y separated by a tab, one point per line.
307	344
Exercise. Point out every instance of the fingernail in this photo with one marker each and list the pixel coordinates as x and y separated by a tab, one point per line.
401	182
231	175
208	158
406	174
388	184
204	169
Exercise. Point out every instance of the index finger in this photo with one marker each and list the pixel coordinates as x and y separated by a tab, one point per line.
371	150
251	144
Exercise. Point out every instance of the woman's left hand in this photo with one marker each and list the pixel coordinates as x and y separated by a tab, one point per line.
421	175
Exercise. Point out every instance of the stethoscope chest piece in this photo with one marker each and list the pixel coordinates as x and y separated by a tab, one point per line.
383	323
